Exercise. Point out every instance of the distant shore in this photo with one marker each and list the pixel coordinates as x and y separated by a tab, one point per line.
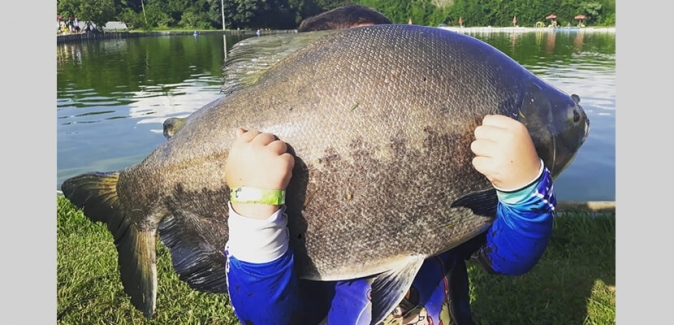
489	29
483	29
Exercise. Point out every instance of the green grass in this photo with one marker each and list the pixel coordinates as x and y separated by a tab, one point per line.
574	283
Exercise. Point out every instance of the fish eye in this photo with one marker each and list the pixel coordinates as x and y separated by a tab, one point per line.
576	116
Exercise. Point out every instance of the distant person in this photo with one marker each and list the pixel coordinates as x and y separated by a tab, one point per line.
343	17
258	32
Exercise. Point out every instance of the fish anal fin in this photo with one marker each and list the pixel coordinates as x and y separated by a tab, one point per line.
482	203
389	288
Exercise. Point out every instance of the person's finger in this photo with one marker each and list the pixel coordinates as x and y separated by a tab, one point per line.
499	121
249	136
278	146
488	132
289	159
483	148
264	139
482	165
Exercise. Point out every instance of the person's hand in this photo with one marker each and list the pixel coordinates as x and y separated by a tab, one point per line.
505	153
260	161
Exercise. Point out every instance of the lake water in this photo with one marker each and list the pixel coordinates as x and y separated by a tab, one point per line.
114	95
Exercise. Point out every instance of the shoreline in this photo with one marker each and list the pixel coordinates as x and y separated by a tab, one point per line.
466	30
519	29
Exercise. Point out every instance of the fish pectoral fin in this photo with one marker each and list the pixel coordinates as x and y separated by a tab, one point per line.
481	203
173	125
389	288
96	195
197	248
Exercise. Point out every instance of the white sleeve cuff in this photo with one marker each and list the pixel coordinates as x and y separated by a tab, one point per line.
258	241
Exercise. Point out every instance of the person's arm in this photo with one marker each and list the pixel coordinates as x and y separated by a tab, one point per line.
521	232
260	278
505	154
261	282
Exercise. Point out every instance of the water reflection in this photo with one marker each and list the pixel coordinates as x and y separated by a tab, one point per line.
550	42
578	41
69	53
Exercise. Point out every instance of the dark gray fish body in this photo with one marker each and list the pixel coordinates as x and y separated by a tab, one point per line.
380	120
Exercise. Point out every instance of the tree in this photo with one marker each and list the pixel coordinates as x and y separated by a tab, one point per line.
97	11
592	10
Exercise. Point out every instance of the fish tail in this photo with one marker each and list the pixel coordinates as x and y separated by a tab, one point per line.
96	195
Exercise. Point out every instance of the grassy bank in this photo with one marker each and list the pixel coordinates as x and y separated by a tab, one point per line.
574	283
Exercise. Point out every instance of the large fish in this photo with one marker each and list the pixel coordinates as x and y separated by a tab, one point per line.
380	121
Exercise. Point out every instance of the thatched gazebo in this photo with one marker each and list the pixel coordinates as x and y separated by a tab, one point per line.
580	18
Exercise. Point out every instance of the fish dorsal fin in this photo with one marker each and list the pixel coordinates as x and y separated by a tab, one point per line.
481	203
250	58
389	288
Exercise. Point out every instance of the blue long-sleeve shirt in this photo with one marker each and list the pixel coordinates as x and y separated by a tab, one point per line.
264	289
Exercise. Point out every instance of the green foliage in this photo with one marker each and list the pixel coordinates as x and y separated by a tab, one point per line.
609	20
68	8
97	11
154	15
131	18
287	14
244	11
190	19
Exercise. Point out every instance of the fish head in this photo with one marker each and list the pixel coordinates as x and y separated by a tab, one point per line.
557	123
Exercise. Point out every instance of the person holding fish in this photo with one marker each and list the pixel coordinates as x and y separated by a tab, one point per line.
264	289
